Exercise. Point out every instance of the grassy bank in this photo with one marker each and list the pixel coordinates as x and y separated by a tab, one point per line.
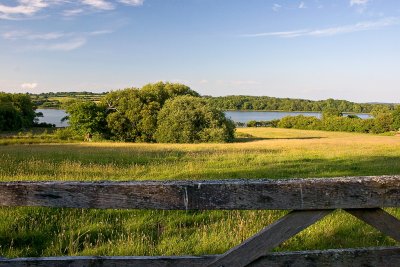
258	153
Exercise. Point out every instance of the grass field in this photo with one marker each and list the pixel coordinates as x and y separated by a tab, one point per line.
258	153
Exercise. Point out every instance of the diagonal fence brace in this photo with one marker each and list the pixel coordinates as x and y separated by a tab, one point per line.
268	238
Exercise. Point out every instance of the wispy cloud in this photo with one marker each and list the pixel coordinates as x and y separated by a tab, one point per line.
99	4
52	41
358	2
17	35
25	9
132	2
29	86
302	5
67	45
276	7
360	5
361	26
72	12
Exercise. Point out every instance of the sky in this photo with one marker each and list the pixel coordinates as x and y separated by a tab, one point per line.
311	49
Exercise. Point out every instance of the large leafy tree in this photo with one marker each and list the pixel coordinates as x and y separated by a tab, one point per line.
132	113
16	111
188	119
86	117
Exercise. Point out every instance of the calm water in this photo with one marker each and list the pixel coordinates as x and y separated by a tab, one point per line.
54	116
245	116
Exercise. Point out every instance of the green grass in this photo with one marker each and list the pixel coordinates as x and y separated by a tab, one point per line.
259	153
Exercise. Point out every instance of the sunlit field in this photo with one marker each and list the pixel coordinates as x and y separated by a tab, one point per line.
257	153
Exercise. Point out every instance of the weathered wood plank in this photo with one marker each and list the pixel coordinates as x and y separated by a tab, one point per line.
304	194
379	219
92	261
333	257
369	257
268	238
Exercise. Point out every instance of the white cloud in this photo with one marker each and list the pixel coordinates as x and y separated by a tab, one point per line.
358	2
17	35
276	7
23	9
53	41
132	2
302	5
29	86
72	12
361	26
67	45
99	4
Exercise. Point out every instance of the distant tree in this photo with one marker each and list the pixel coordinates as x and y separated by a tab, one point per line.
188	119
380	109
331	112
396	118
86	117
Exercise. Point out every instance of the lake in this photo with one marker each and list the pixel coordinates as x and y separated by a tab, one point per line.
245	116
54	116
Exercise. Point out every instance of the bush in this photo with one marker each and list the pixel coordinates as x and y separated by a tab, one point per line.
300	122
188	119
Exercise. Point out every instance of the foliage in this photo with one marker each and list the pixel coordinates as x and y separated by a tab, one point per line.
271	123
132	113
188	119
240	102
300	122
16	111
87	118
396	119
381	123
331	112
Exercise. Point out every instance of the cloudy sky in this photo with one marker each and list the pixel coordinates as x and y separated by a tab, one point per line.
314	49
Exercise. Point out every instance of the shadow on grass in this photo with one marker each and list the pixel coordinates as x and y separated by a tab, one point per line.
309	168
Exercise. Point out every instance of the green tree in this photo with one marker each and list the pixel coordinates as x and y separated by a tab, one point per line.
86	117
16	111
188	119
396	118
331	112
133	112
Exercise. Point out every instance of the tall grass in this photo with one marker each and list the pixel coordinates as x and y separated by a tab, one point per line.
259	153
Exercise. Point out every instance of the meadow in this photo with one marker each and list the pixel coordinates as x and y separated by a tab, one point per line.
257	153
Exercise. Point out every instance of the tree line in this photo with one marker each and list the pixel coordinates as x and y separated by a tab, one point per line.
384	120
239	102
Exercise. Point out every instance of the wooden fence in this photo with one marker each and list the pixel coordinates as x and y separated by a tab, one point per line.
308	199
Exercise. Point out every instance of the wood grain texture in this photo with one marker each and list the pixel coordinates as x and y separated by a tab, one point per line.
379	219
91	261
268	238
333	257
300	194
368	257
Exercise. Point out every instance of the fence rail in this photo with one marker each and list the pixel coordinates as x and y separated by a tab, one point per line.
309	199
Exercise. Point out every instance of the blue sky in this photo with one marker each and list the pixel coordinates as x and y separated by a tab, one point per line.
313	49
